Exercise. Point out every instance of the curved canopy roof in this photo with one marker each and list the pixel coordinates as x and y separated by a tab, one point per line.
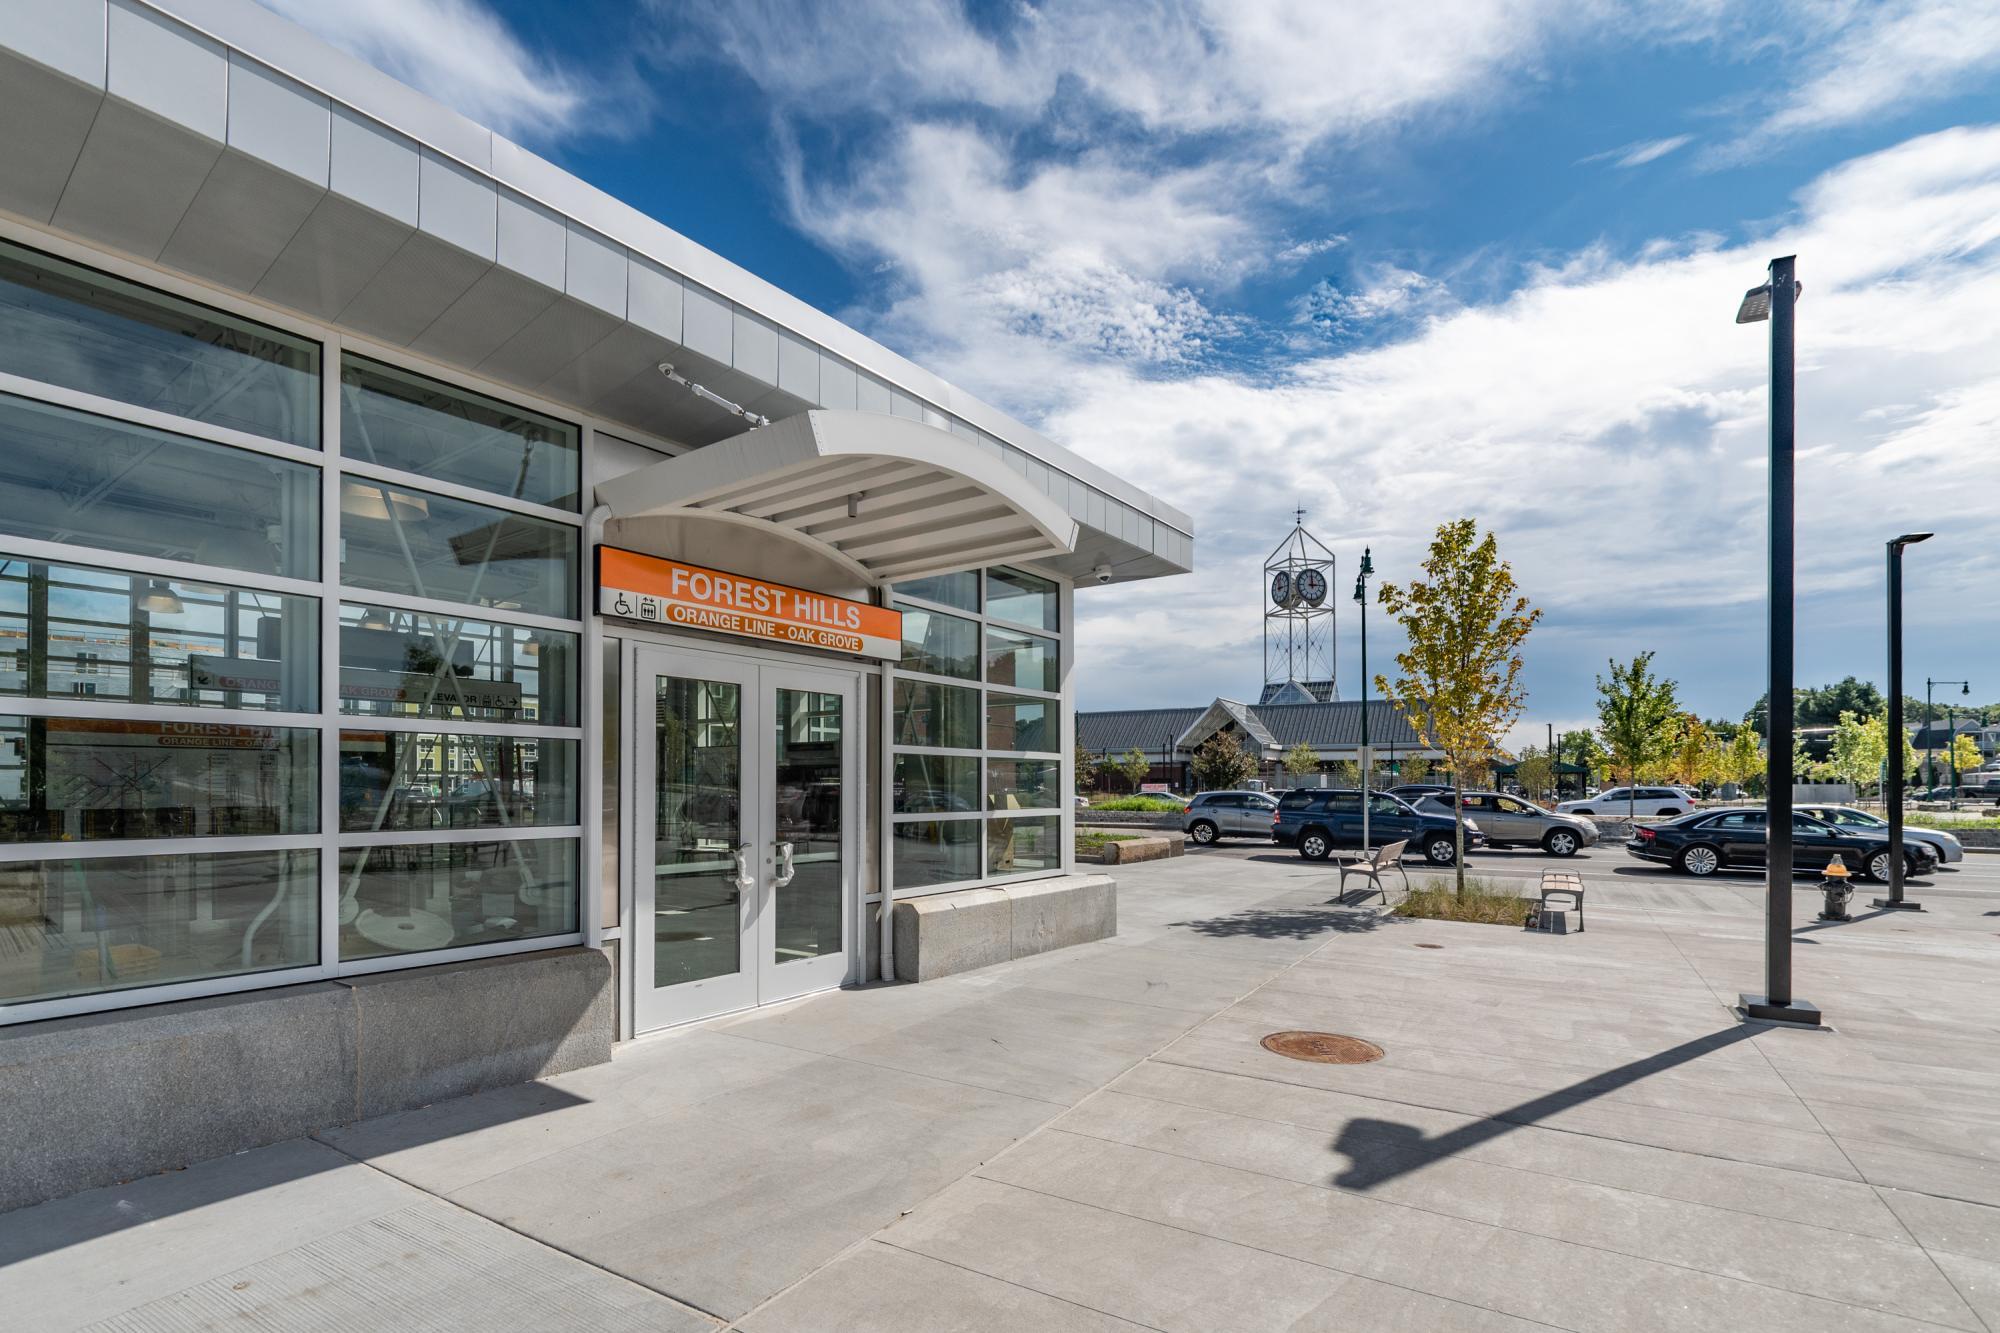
888	497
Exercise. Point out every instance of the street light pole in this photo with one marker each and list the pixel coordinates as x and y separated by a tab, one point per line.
1361	600
1892	785
1951	729
1776	301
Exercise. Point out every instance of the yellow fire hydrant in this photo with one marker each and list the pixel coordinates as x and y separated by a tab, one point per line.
1837	891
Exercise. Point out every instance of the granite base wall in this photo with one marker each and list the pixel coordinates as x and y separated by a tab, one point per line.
947	933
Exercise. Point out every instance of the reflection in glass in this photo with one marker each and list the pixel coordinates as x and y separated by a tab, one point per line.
111	923
1026	660
809	739
697	829
936	784
401	540
91	481
425	780
404	421
76	631
64	324
1023	784
1020	597
935	851
91	778
945	716
1014	722
939	645
960	590
394	664
1017	846
449	895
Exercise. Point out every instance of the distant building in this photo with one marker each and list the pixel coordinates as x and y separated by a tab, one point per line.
1168	737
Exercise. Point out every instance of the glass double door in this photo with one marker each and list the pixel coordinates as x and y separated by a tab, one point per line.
747	830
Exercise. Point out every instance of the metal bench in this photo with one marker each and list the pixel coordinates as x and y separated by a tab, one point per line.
1371	868
1560	884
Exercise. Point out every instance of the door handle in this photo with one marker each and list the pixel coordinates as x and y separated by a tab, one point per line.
740	853
785	870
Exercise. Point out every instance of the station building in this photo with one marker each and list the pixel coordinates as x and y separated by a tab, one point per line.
451	622
1330	728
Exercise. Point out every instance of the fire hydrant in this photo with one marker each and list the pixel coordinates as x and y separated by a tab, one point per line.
1837	891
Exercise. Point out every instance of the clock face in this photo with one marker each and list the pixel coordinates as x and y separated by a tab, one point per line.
1282	592
1311	585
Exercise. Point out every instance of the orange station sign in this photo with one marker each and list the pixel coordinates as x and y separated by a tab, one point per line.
655	590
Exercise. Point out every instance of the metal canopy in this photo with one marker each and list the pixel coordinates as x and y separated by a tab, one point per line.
886	497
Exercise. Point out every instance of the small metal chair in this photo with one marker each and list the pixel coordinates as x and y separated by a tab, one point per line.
1560	884
1371	868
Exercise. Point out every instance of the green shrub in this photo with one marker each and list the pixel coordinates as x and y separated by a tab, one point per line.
1129	804
1484	902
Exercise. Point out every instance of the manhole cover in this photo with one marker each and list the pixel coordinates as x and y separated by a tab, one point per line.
1327	1048
1430	946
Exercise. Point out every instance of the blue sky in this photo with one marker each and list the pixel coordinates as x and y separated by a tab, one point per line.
1396	263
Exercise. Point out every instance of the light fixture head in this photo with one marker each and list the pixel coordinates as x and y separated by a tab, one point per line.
1756	307
1967	688
1911	538
1367	561
159	599
374	617
359	499
1361	589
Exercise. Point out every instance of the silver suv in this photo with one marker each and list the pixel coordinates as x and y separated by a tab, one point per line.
1229	814
1509	821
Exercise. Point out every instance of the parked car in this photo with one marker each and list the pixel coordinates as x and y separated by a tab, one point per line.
1416	791
1665	802
1509	821
1701	844
1945	847
1317	820
1228	814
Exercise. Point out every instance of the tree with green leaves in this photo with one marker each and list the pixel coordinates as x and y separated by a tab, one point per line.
1085	764
1460	676
1636	716
1346	773
1964	757
1535	770
1860	748
1300	762
1222	763
1414	768
1133	766
1584	749
1743	761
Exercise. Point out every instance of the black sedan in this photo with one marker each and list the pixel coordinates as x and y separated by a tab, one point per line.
1711	840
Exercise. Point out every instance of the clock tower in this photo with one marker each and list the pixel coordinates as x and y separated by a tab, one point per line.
1298	620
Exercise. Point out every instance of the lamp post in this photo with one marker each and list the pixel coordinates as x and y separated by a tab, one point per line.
1361	600
1951	725
1892	785
1776	302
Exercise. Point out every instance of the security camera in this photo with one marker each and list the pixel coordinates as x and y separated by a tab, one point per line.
1102	573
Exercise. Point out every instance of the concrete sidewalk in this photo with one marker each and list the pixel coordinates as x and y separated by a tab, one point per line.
1567	1131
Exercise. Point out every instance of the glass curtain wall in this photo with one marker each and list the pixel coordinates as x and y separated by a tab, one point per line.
976	788
187	803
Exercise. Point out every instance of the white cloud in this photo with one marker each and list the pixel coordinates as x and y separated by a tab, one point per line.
1390	294
463	55
1639	153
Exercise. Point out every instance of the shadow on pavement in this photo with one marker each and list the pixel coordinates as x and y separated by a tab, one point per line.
1287	923
1381	1150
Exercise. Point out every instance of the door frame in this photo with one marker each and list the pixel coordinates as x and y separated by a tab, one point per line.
760	674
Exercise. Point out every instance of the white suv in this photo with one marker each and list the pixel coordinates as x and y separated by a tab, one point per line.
1652	802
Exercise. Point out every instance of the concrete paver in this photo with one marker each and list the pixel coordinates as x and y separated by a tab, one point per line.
1566	1131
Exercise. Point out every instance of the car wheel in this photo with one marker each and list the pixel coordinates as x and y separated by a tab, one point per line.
1699	860
1202	832
1560	842
1585	813
1439	851
1878	866
1314	846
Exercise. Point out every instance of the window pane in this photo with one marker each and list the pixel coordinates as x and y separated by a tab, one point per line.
424	780
90	778
1017	846
449	895
939	645
429	545
414	664
936	784
73	477
1023	784
73	630
960	590
946	716
63	324
1023	598
1015	723
405	421
1021	659
114	923
935	851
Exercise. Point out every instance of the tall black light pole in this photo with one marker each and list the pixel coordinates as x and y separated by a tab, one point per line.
1892	783
1776	302
1361	600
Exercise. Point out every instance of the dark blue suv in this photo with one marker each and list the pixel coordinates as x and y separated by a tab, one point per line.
1318	819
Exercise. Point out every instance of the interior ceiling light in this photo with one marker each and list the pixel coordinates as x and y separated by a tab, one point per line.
362	500
375	617
708	395
160	599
